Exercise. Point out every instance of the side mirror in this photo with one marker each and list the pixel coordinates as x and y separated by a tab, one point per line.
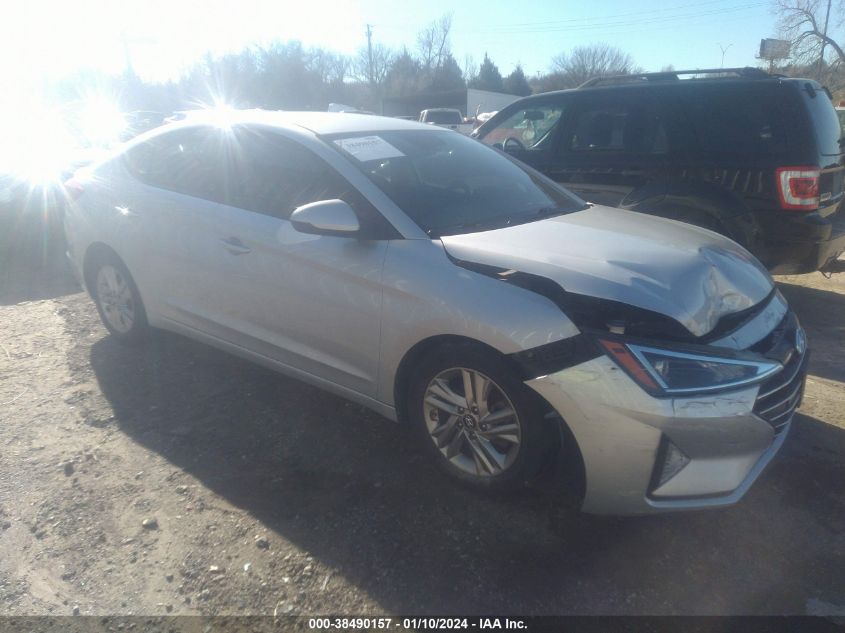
326	217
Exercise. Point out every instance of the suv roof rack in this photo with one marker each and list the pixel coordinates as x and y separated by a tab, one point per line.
673	75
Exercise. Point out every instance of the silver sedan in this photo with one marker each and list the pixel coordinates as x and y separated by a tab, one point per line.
445	285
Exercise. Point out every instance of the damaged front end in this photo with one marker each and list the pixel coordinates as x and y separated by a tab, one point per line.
634	337
665	419
654	436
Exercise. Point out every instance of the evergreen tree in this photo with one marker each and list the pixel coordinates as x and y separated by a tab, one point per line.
489	77
447	76
404	75
516	83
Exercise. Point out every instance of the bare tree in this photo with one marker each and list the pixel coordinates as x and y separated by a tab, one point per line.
382	58
810	26
584	62
433	42
330	67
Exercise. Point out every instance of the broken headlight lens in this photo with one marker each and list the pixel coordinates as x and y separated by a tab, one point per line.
670	372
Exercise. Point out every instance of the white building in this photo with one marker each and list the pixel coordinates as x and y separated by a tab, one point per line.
469	101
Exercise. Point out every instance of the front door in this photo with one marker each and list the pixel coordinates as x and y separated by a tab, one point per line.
612	149
312	302
528	133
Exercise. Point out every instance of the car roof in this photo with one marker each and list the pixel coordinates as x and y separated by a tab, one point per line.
320	123
657	85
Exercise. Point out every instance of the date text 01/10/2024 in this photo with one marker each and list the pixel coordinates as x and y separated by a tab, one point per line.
417	623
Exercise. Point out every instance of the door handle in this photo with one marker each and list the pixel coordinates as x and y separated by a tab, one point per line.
235	246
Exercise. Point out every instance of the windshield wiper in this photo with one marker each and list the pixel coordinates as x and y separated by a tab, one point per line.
492	222
547	211
542	212
504	221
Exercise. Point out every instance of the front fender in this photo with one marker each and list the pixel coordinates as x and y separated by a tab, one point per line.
427	295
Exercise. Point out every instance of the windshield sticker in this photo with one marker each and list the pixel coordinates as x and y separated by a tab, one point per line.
366	148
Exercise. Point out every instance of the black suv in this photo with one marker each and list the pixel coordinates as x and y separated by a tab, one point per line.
754	156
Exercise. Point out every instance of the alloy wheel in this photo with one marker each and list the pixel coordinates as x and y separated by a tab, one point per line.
472	422
115	298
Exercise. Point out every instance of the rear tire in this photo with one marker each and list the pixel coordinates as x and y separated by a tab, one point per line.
494	439
118	300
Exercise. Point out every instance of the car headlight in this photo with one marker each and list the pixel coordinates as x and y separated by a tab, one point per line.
668	372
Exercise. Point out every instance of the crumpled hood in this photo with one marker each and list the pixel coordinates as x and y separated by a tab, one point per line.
689	274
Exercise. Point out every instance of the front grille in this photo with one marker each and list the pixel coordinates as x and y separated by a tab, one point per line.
781	394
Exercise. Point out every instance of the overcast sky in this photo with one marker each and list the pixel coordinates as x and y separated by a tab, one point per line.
165	36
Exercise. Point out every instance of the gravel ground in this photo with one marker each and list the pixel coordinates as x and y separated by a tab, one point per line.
177	479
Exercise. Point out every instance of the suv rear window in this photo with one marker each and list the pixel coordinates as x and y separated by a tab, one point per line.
443	117
824	119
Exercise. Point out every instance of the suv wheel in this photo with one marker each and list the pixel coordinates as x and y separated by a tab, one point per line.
478	421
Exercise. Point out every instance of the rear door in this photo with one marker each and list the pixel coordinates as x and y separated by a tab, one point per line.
613	148
174	217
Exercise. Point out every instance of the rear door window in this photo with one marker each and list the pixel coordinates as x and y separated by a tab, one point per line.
184	161
737	119
610	124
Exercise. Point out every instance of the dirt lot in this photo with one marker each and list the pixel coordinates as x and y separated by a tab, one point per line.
261	493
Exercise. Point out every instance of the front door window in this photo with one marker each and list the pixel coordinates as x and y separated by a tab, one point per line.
530	128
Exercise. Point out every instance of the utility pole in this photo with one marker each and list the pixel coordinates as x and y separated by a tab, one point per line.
130	71
370	74
824	42
724	50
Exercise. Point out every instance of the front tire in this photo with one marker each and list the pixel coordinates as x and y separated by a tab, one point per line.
118	301
477	420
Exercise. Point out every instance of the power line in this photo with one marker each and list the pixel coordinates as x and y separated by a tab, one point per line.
603	19
614	23
596	22
617	32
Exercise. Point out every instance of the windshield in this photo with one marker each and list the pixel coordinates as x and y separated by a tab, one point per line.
443	117
450	184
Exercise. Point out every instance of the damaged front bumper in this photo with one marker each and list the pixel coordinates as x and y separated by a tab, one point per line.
624	436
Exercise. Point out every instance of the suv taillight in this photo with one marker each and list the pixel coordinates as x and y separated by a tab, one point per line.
798	188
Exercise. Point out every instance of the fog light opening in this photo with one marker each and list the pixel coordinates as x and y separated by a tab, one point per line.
671	460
